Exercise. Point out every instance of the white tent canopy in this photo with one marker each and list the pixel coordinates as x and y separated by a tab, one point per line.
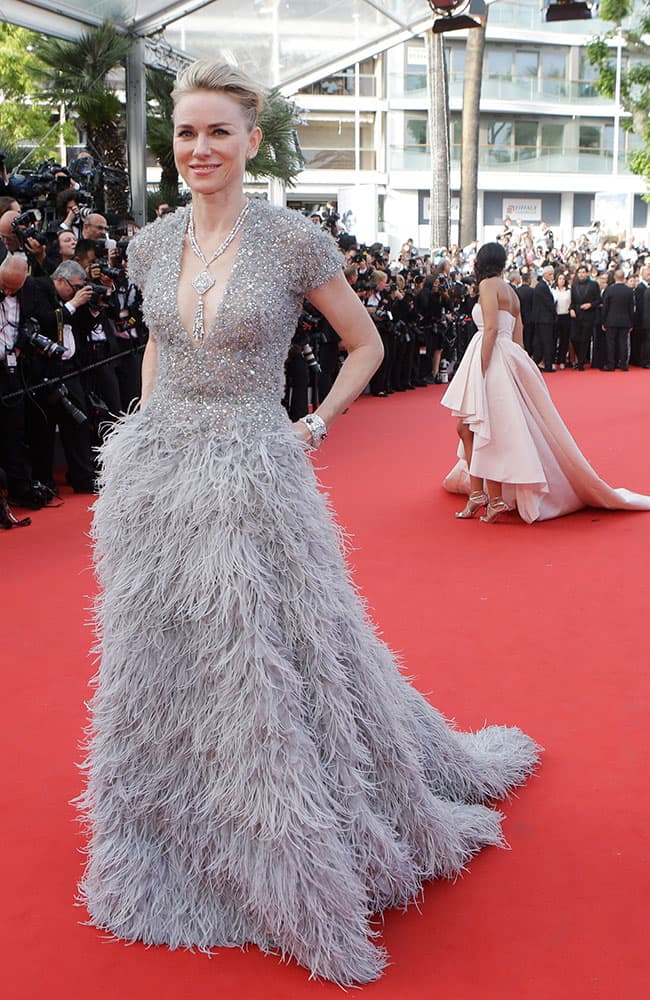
282	43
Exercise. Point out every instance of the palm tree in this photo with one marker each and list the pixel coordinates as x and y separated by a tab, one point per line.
279	154
160	131
438	140
77	74
474	51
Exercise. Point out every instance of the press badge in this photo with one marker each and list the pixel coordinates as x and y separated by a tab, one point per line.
12	361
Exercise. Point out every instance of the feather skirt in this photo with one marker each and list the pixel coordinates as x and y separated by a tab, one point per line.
258	769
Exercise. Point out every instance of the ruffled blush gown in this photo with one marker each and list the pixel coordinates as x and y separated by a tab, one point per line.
520	439
258	769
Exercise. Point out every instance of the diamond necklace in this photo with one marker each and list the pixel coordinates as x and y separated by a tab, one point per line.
204	280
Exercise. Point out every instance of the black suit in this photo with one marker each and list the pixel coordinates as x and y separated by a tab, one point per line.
14	453
544	320
525	295
641	334
585	293
45	410
618	320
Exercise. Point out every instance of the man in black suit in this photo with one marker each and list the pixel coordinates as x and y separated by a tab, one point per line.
642	316
14	454
544	319
618	320
53	303
524	293
585	299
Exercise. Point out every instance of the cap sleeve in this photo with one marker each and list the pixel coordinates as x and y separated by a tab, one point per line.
139	253
317	257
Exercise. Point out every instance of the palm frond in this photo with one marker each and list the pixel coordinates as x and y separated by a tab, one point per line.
279	154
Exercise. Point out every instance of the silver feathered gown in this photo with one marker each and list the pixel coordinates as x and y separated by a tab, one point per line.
258	770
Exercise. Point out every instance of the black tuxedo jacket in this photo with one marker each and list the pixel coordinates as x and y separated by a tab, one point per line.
618	305
585	291
543	303
525	295
642	306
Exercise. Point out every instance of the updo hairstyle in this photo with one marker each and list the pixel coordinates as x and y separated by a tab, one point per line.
490	262
220	77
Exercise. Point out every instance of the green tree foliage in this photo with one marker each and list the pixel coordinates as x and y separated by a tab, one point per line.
632	24
24	123
279	154
78	74
160	132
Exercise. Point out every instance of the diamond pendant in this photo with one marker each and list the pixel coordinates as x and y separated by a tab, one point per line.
202	282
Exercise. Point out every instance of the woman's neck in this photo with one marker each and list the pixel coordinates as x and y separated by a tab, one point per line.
215	215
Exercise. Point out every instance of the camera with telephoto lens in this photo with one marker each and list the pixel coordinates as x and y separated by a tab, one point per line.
310	359
114	273
25	228
59	394
30	338
98	298
101	249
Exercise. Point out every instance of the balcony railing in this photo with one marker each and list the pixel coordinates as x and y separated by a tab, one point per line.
343	85
533	159
337	159
550	89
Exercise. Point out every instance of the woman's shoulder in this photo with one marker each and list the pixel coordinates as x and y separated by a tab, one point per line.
286	221
150	240
157	230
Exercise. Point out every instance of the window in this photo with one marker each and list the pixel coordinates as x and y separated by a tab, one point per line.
525	135
499	63
415	77
589	138
526	64
499	137
588	73
416	133
552	137
554	73
455	137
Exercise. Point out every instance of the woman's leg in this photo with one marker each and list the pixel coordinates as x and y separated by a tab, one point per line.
467	437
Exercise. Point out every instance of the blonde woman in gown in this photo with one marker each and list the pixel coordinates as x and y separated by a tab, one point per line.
259	771
515	452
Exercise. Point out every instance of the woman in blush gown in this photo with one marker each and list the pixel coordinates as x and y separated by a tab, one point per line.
259	771
515	451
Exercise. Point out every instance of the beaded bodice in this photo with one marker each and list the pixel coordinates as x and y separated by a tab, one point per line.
238	369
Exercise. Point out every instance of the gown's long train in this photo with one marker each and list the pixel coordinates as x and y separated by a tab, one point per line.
520	439
258	769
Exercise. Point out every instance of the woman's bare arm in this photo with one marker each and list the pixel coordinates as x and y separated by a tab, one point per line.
341	307
149	370
518	332
489	302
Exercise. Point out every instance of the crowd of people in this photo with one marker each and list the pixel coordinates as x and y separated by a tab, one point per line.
71	330
71	337
584	304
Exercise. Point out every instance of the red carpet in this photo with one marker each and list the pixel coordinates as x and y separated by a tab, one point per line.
543	626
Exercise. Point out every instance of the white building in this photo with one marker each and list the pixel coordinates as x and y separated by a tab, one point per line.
548	142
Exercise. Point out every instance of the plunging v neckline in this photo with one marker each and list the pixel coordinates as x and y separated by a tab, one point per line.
198	344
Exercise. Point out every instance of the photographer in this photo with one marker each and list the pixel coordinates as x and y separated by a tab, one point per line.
14	452
20	235
302	370
53	302
130	331
94	329
378	304
71	212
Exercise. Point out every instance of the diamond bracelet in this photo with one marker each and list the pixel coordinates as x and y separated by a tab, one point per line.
317	428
